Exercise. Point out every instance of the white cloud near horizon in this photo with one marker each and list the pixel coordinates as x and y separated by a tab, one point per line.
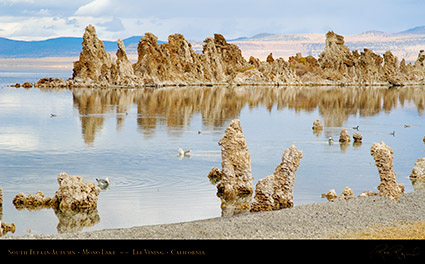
198	19
95	8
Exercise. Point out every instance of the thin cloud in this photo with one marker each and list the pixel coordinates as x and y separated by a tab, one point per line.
95	8
198	19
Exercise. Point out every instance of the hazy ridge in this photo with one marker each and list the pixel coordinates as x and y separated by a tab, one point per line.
405	44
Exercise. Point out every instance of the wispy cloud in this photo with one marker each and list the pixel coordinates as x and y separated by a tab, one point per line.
198	19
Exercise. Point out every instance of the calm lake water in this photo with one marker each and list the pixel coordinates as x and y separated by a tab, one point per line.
132	137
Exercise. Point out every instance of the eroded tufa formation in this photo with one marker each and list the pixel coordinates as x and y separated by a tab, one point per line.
383	156
275	191
417	176
344	136
236	163
234	180
418	171
221	62
72	194
317	125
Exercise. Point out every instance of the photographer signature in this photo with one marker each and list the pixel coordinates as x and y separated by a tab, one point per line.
398	251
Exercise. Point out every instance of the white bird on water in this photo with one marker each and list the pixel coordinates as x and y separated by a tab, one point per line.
181	152
103	183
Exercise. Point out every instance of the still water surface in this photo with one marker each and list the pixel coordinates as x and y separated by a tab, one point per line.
132	137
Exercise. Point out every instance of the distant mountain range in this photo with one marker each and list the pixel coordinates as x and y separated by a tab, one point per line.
55	47
404	44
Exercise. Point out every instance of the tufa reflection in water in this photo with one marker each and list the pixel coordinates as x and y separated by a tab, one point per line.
217	105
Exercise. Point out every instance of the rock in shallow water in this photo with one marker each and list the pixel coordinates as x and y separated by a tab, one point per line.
383	156
234	181
275	191
72	194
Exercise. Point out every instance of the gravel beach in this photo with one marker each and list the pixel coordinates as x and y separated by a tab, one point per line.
311	221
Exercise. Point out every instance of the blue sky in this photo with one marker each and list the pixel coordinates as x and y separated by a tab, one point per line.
198	19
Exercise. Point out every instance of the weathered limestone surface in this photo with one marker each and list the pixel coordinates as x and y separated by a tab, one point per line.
236	163
275	191
367	193
72	194
317	125
5	228
383	156
346	194
32	201
357	137
344	136
95	63
122	70
221	62
418	171
331	195
417	177
234	181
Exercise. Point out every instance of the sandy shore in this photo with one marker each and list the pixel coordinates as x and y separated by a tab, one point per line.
311	221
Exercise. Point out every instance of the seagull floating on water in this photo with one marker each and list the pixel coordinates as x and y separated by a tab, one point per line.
103	183
330	140
183	153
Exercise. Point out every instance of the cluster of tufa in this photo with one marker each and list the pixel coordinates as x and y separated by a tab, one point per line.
73	194
176	63
234	181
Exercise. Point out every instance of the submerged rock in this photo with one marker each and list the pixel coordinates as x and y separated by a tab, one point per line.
344	136
32	201
275	191
317	125
357	137
383	156
27	85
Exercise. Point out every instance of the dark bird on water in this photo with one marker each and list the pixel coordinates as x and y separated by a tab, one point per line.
103	183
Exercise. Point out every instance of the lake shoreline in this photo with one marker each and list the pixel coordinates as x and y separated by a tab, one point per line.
327	220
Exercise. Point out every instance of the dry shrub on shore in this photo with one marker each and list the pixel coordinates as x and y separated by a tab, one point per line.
399	230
